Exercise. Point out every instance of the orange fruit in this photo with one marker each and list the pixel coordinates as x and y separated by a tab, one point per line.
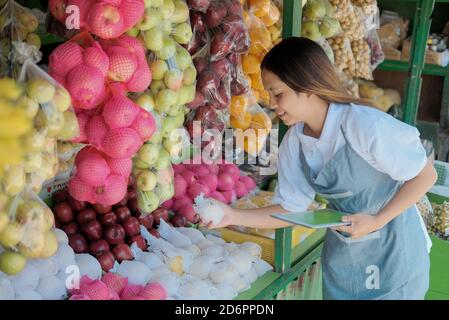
272	17
275	33
256	94
250	64
253	144
241	122
260	7
260	120
238	105
256	81
264	97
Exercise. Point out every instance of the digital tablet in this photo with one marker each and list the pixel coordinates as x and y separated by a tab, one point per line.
323	218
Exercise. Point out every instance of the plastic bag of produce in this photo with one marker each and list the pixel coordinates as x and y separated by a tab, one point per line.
377	54
362	56
369	7
344	58
349	83
19	40
440	221
239	83
354	24
342	8
27	233
327	48
200	35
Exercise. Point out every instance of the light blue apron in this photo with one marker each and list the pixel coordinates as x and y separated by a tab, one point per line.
391	263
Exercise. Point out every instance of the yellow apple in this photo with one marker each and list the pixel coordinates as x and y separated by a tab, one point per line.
34	141
32	243
50	245
33	161
12	263
11	235
40	90
14	180
33	40
71	128
4	220
29	106
62	99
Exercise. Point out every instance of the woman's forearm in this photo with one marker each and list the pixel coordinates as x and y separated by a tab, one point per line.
409	194
260	218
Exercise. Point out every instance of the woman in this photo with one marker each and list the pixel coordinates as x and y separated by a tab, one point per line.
363	161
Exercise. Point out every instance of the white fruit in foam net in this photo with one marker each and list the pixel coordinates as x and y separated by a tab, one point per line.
170	282
89	266
241	260
52	288
150	259
215	251
136	272
252	248
201	267
28	279
193	234
223	272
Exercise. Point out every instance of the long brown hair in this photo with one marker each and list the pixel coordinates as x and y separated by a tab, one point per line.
304	66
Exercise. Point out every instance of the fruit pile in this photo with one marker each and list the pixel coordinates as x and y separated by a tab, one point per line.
222	182
26	233
106	19
344	58
19	40
382	99
105	232
319	21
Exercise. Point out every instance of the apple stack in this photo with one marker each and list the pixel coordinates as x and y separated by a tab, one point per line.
19	25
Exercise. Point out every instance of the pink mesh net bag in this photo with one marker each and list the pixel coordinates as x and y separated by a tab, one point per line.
121	143
132	11
145	125
113	190
122	64
81	191
120	112
154	291
132	45
96	57
83	153
58	78
141	79
113	2
115	282
64	58
95	289
96	130
120	167
105	20
83	118
86	86
93	168
131	291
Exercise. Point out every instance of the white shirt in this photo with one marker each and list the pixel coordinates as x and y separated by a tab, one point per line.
389	145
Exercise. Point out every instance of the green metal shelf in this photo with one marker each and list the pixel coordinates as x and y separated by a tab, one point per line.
434	70
403	66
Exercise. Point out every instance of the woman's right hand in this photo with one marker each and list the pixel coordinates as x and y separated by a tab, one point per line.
229	217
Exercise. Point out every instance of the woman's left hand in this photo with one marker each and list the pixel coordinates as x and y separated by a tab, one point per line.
361	225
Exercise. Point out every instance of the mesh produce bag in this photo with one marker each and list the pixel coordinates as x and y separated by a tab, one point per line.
27	234
344	58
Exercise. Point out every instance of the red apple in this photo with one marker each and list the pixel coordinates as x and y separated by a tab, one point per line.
160	213
239	86
147	221
198	5
78	243
140	242
63	212
233	24
215	14
154	233
220	46
131	226
235	8
92	230
198	101
178	220
207	82
200	64
196	20
57	224
221	68
106	260
85	216
132	193
108	218
101	209
59	196
114	234
122	213
133	205
70	228
122	252
98	246
75	204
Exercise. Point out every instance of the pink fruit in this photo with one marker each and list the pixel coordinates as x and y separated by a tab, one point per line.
180	187
188	212
141	79
130	291
120	112
95	57
115	3
132	11
115	282
213	168
225	182
215	14
144	125
93	169
136	298
217	195
167	204
121	143
96	130
188	176
65	57
83	119
181	202
83	153
178	168
95	289
200	170
133	45
105	21
122	64
230	196
86	86
113	190
196	188
113	295
210	181
248	182
120	167
231	169
240	189
153	291
80	297
80	190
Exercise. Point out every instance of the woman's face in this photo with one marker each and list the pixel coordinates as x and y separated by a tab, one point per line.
290	106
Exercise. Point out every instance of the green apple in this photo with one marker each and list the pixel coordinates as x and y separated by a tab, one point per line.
136	171
33	161
149	153
133	32
12	263
173	79
156	3
50	245
175	110
314	9
163	161
50	119
158	69
71	128
146	181
329	27
11	235
40	90
139	164
168	49
167	9
147	201
148	3
181	13
156	138
145	101
189	76
164	192
165	99
310	30
30	106
183	33
154	39
186	94
183	58
62	99
171	123
156	86
4	220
